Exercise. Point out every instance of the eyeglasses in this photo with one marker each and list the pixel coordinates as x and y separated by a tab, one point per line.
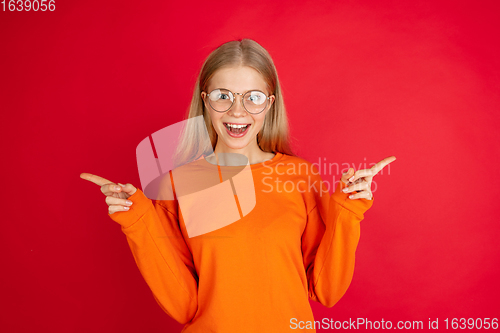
254	101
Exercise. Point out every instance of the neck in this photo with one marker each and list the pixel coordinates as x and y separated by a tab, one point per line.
252	152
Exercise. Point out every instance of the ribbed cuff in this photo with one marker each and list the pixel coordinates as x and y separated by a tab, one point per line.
357	206
140	204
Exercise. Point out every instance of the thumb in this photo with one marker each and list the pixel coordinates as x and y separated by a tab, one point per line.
346	176
128	188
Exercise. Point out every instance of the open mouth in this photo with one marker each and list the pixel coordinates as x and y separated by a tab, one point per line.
237	129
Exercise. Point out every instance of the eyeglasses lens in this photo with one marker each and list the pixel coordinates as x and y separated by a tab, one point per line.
221	100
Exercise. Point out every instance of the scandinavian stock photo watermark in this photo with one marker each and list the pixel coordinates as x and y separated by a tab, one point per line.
329	172
216	190
367	324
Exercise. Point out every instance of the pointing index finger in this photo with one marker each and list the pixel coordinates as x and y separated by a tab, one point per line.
95	179
382	164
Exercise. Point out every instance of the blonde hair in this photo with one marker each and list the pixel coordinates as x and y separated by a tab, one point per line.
274	135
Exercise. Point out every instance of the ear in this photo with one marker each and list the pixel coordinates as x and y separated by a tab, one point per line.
271	101
203	94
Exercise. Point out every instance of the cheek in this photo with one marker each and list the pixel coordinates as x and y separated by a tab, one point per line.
216	117
259	122
216	120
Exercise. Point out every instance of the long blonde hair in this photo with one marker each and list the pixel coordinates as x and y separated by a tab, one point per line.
274	135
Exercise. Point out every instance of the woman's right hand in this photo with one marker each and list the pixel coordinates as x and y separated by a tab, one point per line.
116	194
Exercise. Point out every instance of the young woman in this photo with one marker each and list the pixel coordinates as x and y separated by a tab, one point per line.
257	272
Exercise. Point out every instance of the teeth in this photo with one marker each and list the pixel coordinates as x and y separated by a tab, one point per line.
235	126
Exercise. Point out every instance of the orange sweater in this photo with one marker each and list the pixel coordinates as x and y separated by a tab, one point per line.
258	273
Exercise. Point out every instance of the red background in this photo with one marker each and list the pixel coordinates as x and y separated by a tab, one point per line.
83	85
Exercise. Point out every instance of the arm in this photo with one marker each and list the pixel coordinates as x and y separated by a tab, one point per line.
161	254
329	244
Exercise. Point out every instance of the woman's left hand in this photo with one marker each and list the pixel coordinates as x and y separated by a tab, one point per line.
361	180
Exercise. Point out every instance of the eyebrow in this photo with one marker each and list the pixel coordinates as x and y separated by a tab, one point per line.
237	92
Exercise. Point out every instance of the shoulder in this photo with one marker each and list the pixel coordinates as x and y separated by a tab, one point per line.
292	168
300	165
309	181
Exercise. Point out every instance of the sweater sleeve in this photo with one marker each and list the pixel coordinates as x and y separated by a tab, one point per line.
329	244
161	254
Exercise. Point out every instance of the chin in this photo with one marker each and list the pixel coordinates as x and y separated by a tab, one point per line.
235	143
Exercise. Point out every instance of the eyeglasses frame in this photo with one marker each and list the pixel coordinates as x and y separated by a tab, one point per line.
242	95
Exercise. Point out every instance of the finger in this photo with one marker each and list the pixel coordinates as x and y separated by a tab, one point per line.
382	164
128	188
362	195
346	175
357	181
94	179
356	187
117	201
109	189
363	173
117	208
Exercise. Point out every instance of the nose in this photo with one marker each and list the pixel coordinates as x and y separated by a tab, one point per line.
237	109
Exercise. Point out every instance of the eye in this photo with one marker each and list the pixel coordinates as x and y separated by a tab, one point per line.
257	97
220	95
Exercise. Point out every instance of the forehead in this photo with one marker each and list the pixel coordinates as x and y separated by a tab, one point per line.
237	79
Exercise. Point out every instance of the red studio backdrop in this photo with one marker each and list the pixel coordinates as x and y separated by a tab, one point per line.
82	85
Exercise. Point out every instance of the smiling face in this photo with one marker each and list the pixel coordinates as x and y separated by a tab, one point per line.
237	80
